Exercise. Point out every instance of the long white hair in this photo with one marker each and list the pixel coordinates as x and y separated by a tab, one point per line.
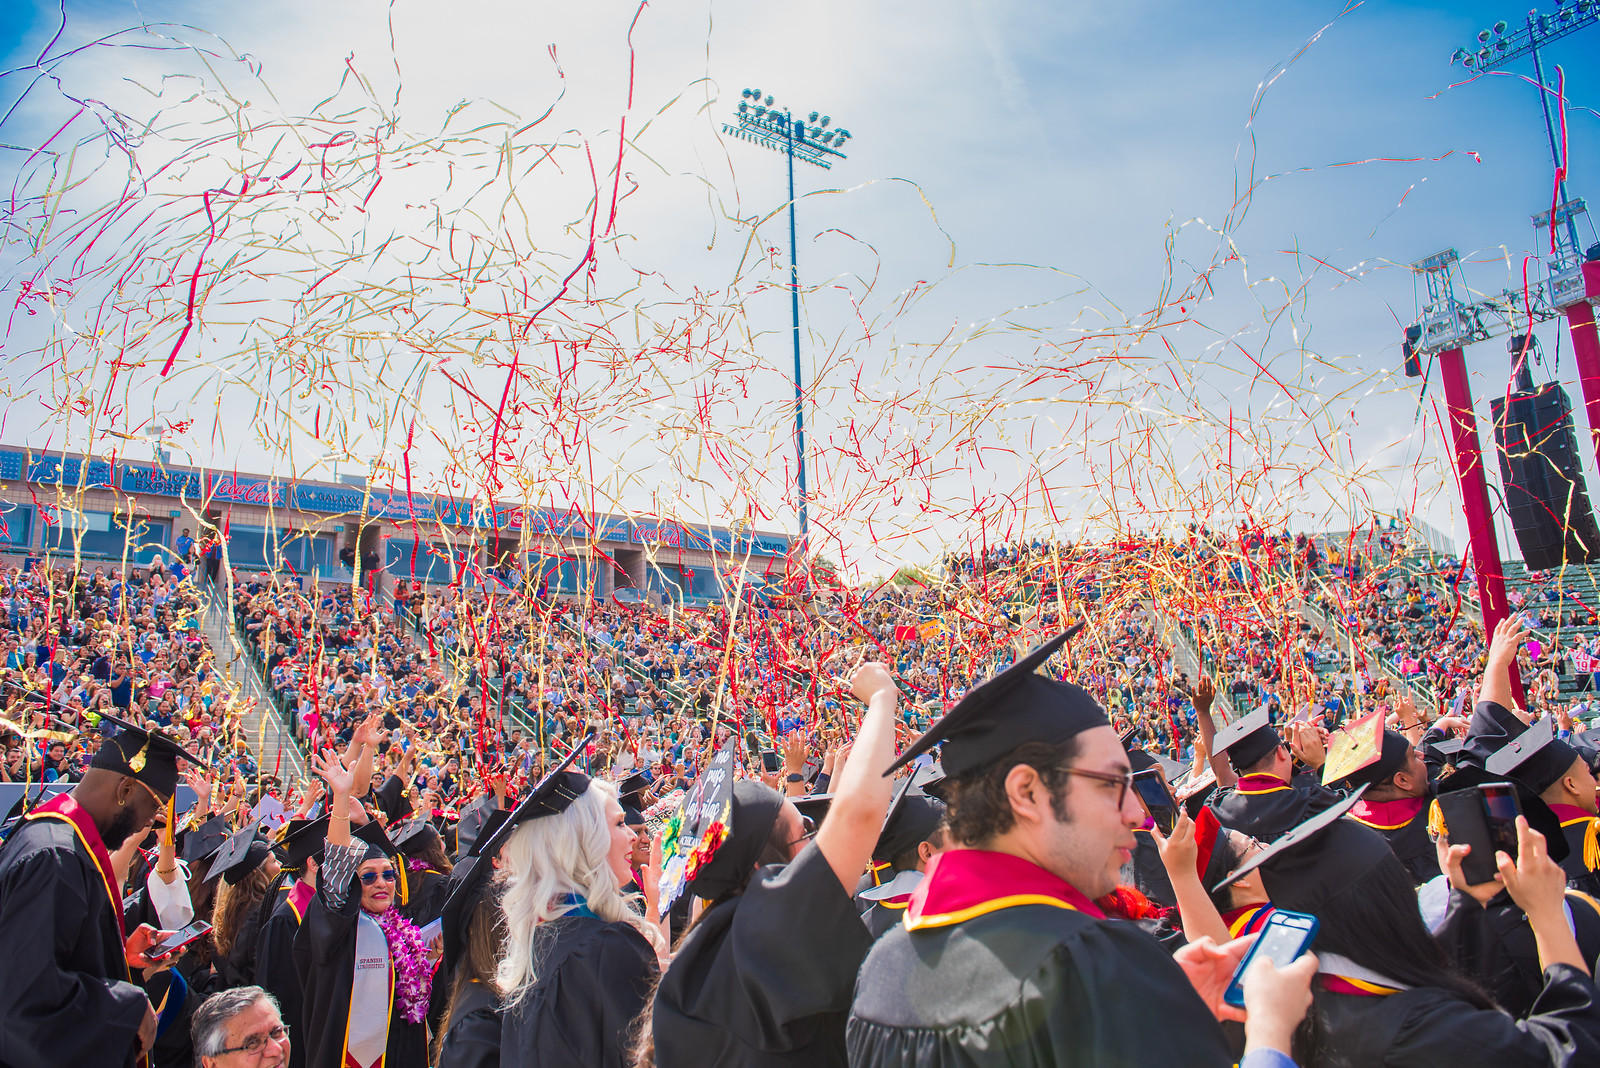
548	858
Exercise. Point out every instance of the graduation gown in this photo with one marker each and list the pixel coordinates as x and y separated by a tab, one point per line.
881	914
275	967
425	893
766	978
1429	1026
1000	962
1264	806
66	996
1494	944
472	1036
594	980
1404	823
325	959
173	1048
1582	863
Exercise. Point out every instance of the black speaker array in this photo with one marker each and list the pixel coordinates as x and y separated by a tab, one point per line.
1543	478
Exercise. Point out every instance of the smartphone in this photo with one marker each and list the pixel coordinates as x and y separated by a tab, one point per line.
178	940
1157	798
771	761
1282	940
1501	807
1467	823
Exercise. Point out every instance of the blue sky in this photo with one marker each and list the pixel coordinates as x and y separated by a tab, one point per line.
1070	136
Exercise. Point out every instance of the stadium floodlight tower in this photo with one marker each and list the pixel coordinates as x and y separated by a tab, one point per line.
1572	284
814	140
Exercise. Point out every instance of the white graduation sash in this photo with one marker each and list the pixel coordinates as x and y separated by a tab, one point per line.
371	997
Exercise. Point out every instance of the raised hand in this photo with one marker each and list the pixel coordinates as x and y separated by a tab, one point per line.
340	779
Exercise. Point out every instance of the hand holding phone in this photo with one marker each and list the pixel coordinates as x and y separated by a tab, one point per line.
1282	940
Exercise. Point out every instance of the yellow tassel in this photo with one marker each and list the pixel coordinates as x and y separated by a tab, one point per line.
1591	846
400	870
1436	825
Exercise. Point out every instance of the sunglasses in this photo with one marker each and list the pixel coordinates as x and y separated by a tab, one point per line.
370	877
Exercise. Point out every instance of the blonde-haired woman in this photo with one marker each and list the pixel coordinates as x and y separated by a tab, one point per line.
579	960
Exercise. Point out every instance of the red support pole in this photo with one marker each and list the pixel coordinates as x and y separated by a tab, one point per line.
1586	349
1481	538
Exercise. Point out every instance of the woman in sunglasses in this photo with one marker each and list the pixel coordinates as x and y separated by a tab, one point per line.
365	973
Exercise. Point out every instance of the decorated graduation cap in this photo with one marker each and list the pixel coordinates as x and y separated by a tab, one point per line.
1316	861
695	845
240	855
1015	706
1536	757
1247	739
151	756
302	840
1364	751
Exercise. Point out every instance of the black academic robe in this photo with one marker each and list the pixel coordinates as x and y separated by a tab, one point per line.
275	968
173	1048
325	958
1029	985
1264	807
238	968
1429	1026
594	980
1403	822
766	978
472	1037
1494	944
65	993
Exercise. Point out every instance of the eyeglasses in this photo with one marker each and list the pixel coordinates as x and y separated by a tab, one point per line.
256	1045
370	877
1123	779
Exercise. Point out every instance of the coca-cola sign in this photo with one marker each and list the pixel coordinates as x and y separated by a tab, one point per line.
240	491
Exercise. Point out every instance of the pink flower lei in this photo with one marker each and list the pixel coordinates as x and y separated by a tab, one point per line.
413	972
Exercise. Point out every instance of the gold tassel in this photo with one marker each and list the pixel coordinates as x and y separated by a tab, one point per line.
400	871
1591	846
1436	825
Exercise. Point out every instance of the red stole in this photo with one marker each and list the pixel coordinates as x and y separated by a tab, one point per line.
1252	785
299	898
1570	814
965	883
1388	815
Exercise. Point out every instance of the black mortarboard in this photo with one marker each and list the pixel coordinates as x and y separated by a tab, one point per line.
413	836
378	843
303	840
202	841
1316	860
1015	706
240	855
1492	726
913	822
1446	747
814	806
1247	740
151	756
1536	757
551	797
1391	758
473	822
630	791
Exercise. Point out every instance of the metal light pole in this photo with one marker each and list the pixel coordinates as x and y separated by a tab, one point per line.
1496	49
812	141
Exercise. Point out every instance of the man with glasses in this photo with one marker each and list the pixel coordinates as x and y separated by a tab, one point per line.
1004	957
240	1027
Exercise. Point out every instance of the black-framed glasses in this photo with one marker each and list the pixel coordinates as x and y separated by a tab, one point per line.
370	877
256	1045
808	828
1124	779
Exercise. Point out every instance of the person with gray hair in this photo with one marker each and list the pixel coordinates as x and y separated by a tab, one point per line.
238	1027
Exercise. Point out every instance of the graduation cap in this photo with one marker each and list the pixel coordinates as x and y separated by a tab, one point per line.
302	840
1365	752
719	831
1492	726
151	756
1195	782
1316	860
552	796
1536	757
1247	739
1015	706
201	842
413	836
240	855
378	843
912	818
631	791
1540	817
474	822
814	806
1446	747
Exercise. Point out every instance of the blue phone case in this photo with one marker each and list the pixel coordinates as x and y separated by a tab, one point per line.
1234	995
